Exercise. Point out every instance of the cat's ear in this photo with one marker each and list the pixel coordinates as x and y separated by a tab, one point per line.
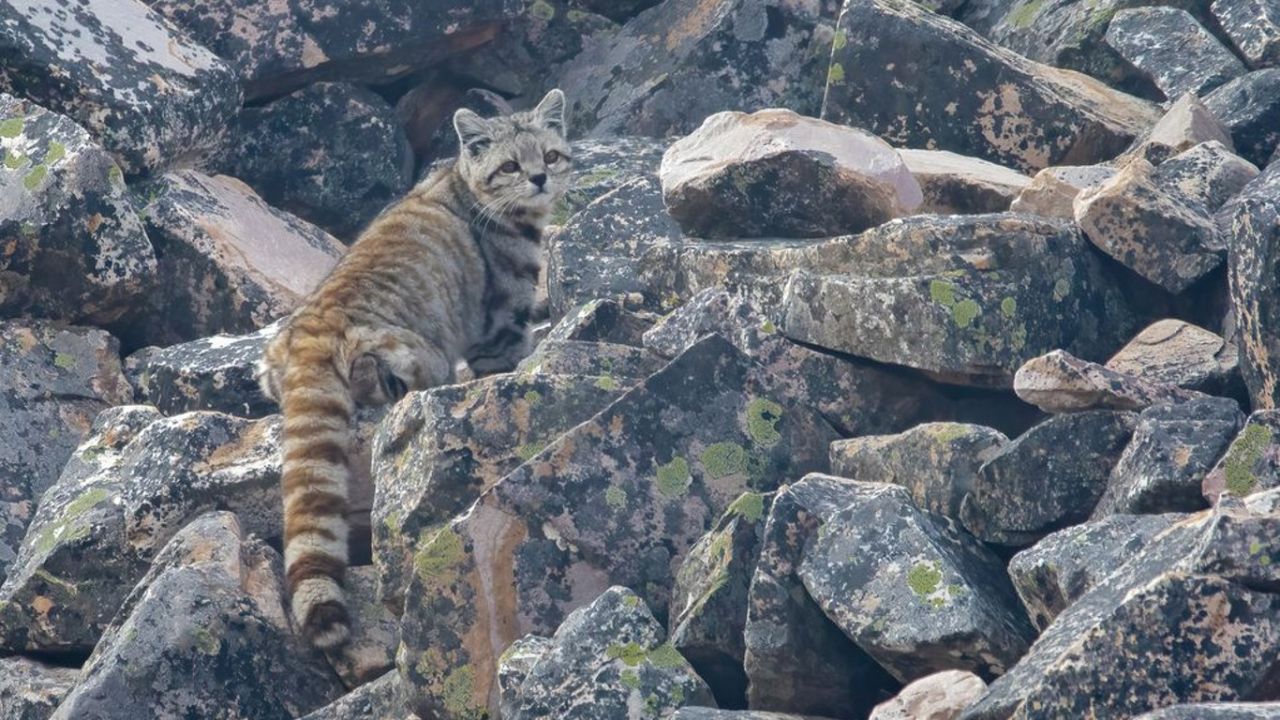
550	111
473	130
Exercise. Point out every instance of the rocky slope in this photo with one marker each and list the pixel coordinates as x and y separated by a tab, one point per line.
910	361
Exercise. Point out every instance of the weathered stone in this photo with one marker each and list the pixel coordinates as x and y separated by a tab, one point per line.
204	634
1252	221
213	373
30	690
935	462
375	632
704	713
1053	191
514	666
1215	711
1157	234
376	700
672	66
1169	46
1174	352
604	165
230	263
603	321
776	173
912	590
709	600
1046	479
1060	382
618	499
74	247
1207	175
941	696
1173	447
152	97
1185	124
1251	463
608	660
280	47
1254	28
331	153
1006	109
1249	107
955	184
1063	566
610	364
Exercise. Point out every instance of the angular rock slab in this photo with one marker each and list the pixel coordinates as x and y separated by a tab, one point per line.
1048	478
1065	565
375	700
1009	110
1185	124
936	462
1215	711
610	364
1207	174
1175	352
203	634
775	173
31	690
1170	46
669	68
151	96
231	263
1053	190
604	164
74	247
1060	382
1249	107
618	500
1253	268
955	184
375	632
941	696
1174	446
213	373
913	590
1254	28
1252	462
603	321
608	660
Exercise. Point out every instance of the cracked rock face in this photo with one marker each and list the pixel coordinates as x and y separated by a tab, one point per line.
1169	46
1254	222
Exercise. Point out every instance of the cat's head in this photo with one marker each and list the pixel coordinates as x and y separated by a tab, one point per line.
519	161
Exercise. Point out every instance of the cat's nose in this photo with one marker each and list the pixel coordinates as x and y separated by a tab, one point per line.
540	179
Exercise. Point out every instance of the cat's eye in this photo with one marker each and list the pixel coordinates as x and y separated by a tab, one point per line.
510	166
552	157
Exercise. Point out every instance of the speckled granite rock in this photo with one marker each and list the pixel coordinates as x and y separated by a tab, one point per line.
55	264
617	500
213	373
1006	109
145	91
1215	711
1065	565
1253	221
776	173
1178	353
677	63
604	164
1253	27
1249	107
1060	382
935	462
1053	191
375	700
1252	462
1185	124
1046	479
914	591
31	690
1169	46
1174	446
956	184
230	262
331	153
1207	175
941	696
204	634
607	661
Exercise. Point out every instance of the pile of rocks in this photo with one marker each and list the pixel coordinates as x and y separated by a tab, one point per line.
908	360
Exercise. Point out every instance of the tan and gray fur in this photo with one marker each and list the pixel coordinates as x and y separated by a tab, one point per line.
446	274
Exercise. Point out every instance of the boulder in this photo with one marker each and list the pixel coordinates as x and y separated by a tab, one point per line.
1174	446
705	713
148	94
1053	190
1174	352
914	591
670	67
1249	107
608	660
885	77
776	173
1063	566
1215	711
608	163
31	690
213	373
1251	463
1253	27
604	321
1171	48
204	634
376	700
514	666
1252	221
230	263
1207	175
608	363
1046	479
936	462
74	247
941	696
331	153
375	632
1185	124
955	184
1060	382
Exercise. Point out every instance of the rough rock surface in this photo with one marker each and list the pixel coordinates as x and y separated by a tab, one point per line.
375	632
886	77
1216	711
1253	221
1207	174
1059	382
31	690
956	184
1185	124
941	696
1249	107
1169	46
1175	352
612	162
377	700
1053	190
1251	463
212	373
605	321
1253	27
776	173
55	264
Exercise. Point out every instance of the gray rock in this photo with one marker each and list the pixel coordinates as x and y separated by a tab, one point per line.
913	590
1215	711
56	264
703	713
1174	446
230	263
1046	479
1169	46
618	10
673	65
376	700
956	184
514	666
1060	382
375	632
603	321
608	660
1175	352
1063	566
1251	463
213	373
1254	28
937	463
1053	190
609	363
941	696
604	164
1252	220
1185	124
31	690
151	96
204	634
776	173
1207	175
1249	107
877	81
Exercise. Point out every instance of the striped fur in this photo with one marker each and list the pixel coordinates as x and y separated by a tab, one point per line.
446	274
